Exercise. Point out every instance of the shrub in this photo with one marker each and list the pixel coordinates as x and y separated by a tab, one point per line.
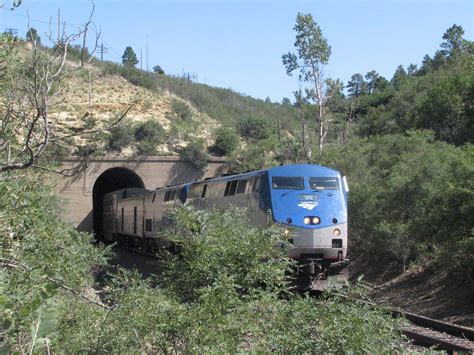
181	109
254	128
248	255
410	195
120	136
194	153
148	135
226	142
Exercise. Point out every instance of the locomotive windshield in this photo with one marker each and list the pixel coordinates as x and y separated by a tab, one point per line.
292	183
323	183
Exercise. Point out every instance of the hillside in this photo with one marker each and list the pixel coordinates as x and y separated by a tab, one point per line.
183	112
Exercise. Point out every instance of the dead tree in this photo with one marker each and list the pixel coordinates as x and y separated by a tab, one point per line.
32	82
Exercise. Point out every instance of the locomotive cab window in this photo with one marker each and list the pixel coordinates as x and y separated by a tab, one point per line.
291	183
323	183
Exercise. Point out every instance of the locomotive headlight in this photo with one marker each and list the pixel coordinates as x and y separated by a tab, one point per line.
315	220
337	232
307	220
287	232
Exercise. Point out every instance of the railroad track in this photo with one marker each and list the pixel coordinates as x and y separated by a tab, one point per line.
430	332
442	335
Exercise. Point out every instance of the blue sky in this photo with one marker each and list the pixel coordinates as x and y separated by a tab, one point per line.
239	44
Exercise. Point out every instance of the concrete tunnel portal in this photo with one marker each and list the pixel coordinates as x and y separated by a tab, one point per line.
110	180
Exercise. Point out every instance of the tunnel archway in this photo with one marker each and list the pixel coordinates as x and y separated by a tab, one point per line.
110	180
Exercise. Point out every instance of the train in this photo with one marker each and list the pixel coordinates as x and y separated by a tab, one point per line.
308	201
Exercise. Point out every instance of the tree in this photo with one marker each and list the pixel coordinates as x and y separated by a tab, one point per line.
453	41
129	58
194	153
30	85
157	69
226	142
371	78
356	85
412	69
32	36
399	77
313	54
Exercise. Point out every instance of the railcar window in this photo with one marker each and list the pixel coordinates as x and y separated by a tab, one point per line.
122	218
170	195
227	188
230	188
134	220
292	183
148	225
323	183
242	186
233	187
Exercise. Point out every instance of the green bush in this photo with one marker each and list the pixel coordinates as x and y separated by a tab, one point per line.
148	135
410	196
120	136
226	142
248	255
44	263
254	128
194	153
181	109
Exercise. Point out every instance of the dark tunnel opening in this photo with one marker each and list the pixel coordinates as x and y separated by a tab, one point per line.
110	180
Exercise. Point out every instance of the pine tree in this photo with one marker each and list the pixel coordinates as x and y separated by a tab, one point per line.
129	58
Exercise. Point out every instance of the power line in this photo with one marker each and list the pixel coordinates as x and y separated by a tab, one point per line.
103	50
31	19
11	31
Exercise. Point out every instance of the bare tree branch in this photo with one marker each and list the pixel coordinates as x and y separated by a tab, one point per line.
28	129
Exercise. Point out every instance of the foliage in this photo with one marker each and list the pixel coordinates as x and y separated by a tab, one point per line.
313	52
148	135
31	83
194	153
411	196
44	262
226	142
220	244
254	127
181	109
32	35
120	136
129	58
224	105
222	293
158	70
255	157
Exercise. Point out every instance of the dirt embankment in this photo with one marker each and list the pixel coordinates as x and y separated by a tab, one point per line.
427	291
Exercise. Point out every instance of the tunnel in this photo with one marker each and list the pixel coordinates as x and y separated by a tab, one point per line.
110	180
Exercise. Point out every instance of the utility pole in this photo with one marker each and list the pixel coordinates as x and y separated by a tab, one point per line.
102	50
11	31
141	60
59	24
146	52
90	90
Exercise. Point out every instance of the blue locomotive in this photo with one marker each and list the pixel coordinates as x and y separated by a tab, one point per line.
309	201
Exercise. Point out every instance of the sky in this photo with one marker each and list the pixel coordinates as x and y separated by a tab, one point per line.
238	44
